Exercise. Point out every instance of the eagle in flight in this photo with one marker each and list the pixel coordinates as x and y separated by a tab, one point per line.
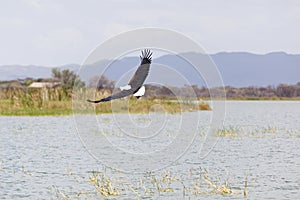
135	85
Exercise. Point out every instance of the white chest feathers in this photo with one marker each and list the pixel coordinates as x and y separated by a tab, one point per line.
140	92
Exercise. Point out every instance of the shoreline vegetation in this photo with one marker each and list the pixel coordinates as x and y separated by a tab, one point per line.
57	101
58	96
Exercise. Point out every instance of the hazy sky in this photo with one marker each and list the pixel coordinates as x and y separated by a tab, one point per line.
56	32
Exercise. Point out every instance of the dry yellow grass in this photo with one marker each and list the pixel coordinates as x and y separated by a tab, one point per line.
153	185
59	102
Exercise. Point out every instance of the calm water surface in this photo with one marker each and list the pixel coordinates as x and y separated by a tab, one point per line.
42	157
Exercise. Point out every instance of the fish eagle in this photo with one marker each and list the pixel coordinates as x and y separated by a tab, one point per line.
135	85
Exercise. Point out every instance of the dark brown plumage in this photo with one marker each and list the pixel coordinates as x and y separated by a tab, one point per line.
137	80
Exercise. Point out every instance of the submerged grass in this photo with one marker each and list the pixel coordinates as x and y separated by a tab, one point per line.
158	185
230	131
252	131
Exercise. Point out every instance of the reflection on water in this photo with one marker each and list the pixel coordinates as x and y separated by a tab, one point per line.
42	156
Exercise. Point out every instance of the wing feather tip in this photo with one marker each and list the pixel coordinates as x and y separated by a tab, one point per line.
146	56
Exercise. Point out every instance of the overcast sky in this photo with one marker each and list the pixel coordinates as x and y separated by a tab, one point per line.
57	32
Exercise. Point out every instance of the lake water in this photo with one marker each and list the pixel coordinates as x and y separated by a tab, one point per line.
53	157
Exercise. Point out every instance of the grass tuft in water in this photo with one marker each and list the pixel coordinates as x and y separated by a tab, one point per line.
158	185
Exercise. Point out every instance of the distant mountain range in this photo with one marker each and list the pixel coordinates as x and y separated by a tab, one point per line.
238	69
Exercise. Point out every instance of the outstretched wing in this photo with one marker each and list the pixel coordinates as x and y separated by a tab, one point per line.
118	95
136	81
142	72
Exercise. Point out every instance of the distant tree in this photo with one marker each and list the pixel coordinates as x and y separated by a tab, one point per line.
284	90
101	82
165	91
204	92
28	81
197	90
68	78
56	73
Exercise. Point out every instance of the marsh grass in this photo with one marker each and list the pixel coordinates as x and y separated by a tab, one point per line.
103	185
230	131
270	129
199	181
253	131
49	108
57	101
294	133
204	106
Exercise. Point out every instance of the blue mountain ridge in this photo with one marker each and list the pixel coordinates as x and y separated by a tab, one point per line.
237	69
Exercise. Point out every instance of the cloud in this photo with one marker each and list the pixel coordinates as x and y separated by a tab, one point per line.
66	38
53	26
43	5
114	29
37	4
12	23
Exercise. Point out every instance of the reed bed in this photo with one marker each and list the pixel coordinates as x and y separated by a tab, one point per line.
58	101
